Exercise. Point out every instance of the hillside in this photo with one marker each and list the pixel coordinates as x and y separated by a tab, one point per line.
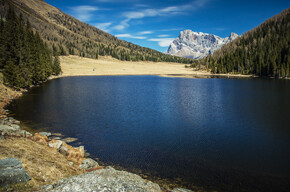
263	51
67	35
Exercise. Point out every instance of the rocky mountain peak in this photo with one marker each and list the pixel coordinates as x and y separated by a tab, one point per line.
196	45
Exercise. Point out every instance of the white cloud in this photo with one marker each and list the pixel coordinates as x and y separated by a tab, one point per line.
84	12
162	35
162	42
171	29
166	11
130	36
104	26
145	32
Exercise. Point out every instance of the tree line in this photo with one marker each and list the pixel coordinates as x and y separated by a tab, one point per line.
25	59
263	51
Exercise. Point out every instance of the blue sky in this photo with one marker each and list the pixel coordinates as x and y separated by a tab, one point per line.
155	23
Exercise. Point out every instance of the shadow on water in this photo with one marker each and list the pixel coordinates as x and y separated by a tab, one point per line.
217	134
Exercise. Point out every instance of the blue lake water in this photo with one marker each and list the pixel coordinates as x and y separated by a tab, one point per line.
223	134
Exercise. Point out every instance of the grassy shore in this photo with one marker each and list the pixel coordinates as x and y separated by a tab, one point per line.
80	66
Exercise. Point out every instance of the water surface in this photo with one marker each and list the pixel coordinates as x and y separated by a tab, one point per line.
224	134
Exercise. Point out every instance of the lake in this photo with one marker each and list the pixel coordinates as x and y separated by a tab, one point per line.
223	134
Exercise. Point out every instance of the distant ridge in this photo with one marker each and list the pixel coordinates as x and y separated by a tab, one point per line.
263	51
67	35
197	45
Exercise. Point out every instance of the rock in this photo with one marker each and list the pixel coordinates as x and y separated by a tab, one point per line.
180	190
6	128
55	144
15	126
12	172
105	180
63	150
2	137
47	187
69	139
82	150
89	163
47	134
55	138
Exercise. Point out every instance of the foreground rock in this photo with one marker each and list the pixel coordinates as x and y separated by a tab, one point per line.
12	172
105	180
180	190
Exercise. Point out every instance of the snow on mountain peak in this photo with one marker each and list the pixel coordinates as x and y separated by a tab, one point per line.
196	45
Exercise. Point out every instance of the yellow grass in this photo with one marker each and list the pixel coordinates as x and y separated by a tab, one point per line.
80	66
45	165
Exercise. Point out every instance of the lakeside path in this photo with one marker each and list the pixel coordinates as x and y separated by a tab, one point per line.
80	66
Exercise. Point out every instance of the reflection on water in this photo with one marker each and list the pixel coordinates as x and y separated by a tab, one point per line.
226	134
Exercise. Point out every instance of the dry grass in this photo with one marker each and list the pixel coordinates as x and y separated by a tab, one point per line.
6	94
45	165
80	66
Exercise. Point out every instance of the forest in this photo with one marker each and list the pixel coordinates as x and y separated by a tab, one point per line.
25	59
263	51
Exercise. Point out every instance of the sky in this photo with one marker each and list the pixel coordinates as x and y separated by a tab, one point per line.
156	23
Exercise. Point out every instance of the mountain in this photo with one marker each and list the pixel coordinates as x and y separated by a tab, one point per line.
197	45
67	35
263	51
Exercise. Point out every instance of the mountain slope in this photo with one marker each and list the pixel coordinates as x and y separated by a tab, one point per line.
197	45
67	35
263	51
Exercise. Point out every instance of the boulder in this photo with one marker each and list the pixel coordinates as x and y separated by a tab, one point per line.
6	128
47	134
15	126
105	180
55	144
12	172
88	164
180	190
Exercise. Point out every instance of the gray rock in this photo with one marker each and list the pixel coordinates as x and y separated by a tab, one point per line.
89	163
6	128
47	134
63	150
15	126
12	172
105	180
181	190
56	145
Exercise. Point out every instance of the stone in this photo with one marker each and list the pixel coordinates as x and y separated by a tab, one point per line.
47	134
55	138
82	150
180	190
105	180
63	150
6	128
55	144
12	172
88	164
15	126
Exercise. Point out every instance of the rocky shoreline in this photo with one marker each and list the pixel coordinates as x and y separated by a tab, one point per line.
94	177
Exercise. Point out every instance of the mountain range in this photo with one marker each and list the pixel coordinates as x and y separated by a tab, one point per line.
195	45
67	35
